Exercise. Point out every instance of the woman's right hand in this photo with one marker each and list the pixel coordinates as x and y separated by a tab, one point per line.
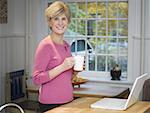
68	63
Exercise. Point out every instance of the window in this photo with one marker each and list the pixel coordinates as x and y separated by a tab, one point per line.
107	32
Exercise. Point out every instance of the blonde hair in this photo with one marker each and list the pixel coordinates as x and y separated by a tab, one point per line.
57	8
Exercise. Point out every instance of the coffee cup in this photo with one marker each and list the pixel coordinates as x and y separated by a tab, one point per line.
79	62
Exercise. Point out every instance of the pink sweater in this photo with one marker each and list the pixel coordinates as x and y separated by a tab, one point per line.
59	89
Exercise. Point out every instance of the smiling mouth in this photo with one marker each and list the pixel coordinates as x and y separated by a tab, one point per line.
60	28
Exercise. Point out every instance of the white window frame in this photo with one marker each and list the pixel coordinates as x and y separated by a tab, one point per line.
134	33
134	36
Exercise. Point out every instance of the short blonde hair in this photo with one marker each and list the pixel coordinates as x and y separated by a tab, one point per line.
57	8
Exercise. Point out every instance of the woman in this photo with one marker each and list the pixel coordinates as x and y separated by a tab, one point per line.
53	61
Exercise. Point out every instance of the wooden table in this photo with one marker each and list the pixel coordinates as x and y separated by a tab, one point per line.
82	105
90	90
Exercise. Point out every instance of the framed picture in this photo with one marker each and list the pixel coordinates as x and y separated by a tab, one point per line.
3	11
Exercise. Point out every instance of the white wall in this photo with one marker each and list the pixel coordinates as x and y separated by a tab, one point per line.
16	18
12	42
2	68
147	36
18	40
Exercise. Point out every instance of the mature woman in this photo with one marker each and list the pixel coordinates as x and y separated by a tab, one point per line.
53	61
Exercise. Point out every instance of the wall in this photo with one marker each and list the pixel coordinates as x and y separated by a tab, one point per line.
12	42
18	40
147	36
2	67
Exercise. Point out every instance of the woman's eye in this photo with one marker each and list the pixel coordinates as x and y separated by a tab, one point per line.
64	18
56	18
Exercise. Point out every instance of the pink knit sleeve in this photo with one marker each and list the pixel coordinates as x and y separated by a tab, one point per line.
42	57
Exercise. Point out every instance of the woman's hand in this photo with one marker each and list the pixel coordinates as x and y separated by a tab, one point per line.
68	63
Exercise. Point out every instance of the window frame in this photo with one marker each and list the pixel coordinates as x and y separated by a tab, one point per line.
134	37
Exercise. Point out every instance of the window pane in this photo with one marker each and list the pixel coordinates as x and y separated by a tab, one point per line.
91	27
123	9
81	10
72	27
123	27
73	8
112	10
112	61
101	45
91	63
101	63
123	45
112	25
122	61
101	10
91	10
101	27
81	27
112	46
92	42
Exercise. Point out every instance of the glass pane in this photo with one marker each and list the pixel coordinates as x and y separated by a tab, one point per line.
112	46
91	61
81	10
101	9
112	10
111	62
101	27
112	25
72	28
122	61
101	63
91	27
123	27
123	9
123	46
73	9
81	27
91	9
92	42
101	45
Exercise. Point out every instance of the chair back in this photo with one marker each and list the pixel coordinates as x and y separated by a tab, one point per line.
15	86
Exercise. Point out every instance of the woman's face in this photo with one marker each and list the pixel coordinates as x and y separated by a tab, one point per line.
59	24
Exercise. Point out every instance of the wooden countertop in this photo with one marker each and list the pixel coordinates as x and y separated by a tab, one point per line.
82	105
92	90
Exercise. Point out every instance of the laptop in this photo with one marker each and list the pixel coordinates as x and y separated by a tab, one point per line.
123	104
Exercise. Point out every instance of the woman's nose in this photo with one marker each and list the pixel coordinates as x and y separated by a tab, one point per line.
60	21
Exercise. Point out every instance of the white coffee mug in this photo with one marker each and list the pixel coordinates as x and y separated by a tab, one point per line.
79	62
